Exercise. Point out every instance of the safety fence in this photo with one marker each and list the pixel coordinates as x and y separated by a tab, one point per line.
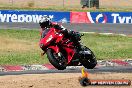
66	17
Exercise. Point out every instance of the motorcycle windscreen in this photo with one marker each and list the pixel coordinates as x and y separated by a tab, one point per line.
44	33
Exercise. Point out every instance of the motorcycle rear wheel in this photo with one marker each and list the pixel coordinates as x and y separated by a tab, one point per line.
90	61
55	60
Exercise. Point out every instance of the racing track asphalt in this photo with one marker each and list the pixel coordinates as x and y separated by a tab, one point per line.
119	69
99	28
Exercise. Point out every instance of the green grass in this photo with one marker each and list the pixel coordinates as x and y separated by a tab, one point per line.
66	8
19	47
109	46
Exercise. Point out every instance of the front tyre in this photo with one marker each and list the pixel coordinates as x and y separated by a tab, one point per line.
88	59
58	62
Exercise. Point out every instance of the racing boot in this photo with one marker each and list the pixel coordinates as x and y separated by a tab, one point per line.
80	47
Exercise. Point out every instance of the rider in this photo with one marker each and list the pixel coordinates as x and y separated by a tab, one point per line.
45	23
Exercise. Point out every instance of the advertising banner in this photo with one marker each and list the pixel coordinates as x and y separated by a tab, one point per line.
33	16
101	17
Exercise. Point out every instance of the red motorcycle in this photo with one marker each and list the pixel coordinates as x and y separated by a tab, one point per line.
62	52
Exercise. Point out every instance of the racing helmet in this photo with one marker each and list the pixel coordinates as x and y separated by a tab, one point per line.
45	22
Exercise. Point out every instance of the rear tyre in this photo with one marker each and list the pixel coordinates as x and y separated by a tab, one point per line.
58	62
88	60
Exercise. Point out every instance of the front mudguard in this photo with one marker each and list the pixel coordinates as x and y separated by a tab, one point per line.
55	48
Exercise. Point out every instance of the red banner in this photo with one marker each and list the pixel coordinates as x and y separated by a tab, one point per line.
79	17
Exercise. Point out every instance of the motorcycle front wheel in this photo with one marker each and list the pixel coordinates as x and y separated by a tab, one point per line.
59	62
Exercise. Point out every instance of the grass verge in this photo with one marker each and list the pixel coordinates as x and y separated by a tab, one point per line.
19	47
69	9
